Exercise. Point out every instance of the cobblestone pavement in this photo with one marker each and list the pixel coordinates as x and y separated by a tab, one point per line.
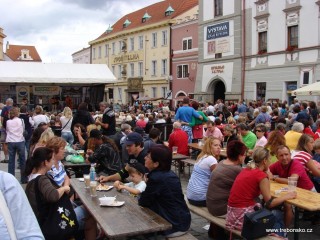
198	223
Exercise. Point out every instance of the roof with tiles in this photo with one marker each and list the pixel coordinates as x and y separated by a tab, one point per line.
14	53
157	13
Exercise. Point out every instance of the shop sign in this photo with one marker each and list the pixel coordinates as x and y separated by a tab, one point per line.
218	31
217	69
132	57
46	90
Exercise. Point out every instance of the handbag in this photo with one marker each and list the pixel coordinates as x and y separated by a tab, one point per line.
197	131
25	132
256	223
57	220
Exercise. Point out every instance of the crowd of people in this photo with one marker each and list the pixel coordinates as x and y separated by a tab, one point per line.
275	141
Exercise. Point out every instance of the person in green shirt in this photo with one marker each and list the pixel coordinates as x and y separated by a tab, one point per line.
247	137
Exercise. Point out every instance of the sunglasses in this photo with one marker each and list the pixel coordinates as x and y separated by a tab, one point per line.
258	131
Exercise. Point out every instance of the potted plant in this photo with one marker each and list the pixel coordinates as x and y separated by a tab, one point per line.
291	48
262	51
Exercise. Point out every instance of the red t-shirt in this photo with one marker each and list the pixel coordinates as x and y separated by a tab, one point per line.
179	138
246	188
141	123
296	168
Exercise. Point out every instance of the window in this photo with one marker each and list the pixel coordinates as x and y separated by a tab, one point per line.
218	55
120	46
164	67
164	92
154	92
120	94
94	53
218	8
164	38
187	44
293	37
106	54
140	65
183	71
154	68
261	91
154	40
113	48
140	42
113	70
99	53
262	42
119	71
306	76
131	44
131	69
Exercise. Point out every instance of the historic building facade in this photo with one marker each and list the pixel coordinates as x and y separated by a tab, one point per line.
137	49
82	56
185	56
219	75
257	49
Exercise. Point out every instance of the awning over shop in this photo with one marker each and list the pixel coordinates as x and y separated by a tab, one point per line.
55	73
310	90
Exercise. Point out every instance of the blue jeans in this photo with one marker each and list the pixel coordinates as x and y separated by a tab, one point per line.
17	148
68	137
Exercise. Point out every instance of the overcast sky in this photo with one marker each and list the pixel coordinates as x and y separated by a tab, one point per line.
58	28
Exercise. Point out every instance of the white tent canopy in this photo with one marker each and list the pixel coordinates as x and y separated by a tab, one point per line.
55	73
309	90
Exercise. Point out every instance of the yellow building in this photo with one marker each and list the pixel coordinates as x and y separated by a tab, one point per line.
2	36
137	49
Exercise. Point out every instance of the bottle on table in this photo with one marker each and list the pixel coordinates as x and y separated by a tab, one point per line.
92	172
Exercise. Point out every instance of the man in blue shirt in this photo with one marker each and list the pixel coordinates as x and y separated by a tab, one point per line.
184	115
25	223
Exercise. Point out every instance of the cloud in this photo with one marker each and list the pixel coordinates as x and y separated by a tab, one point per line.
58	28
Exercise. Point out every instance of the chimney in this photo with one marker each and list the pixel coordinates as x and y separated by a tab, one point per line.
7	45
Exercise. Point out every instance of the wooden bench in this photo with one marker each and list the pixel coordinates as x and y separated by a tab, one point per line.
189	162
186	236
221	222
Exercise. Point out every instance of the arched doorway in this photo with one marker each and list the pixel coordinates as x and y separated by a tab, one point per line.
219	91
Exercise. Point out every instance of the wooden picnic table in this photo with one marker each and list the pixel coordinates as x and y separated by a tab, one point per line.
177	159
127	220
305	199
78	168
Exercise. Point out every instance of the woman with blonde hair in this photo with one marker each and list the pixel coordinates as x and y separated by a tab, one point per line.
65	122
45	137
200	177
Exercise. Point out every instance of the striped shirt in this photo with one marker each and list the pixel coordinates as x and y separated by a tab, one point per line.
303	157
58	174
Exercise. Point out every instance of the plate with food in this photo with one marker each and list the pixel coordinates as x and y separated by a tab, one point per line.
113	204
103	187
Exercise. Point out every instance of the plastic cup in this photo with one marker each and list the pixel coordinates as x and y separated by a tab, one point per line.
174	150
292	184
93	188
225	144
86	178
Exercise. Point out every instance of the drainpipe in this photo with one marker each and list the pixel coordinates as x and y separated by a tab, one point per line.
243	58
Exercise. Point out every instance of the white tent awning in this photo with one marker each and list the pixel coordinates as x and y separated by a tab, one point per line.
55	73
309	90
